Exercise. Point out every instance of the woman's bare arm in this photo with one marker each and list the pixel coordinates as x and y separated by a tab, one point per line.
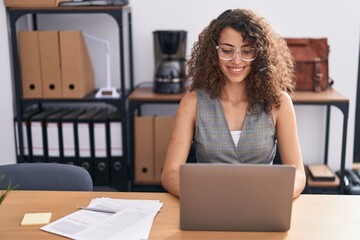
288	141
180	143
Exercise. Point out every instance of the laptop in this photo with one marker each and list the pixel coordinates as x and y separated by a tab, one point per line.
236	197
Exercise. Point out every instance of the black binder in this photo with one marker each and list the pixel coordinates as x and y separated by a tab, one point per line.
68	143
118	165
39	135
26	133
99	145
53	131
84	129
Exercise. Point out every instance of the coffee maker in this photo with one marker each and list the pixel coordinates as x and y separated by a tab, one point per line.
170	50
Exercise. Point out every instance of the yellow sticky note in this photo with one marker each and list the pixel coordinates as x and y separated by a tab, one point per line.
36	218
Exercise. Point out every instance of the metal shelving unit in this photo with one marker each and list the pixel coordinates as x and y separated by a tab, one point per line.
122	16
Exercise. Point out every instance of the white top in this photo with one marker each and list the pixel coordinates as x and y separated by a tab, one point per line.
235	136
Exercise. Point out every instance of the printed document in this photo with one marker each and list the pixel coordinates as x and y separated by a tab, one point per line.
132	221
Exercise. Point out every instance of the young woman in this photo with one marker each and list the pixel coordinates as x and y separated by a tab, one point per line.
241	76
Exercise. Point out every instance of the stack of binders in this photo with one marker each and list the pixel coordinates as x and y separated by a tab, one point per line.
92	139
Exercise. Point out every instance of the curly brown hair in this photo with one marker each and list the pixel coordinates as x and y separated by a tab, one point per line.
272	70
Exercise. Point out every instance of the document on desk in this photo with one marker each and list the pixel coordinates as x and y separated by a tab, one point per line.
132	221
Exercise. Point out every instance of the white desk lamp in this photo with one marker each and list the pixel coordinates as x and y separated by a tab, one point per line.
108	91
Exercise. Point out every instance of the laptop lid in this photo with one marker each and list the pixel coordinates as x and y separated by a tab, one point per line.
236	197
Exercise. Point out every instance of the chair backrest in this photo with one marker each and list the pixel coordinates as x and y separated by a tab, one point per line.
46	176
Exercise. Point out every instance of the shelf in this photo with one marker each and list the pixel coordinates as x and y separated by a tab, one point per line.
329	96
89	98
147	94
117	173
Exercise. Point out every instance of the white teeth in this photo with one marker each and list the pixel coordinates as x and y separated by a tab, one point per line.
236	69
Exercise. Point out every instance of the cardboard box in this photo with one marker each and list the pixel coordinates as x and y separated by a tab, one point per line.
30	65
33	3
76	67
50	64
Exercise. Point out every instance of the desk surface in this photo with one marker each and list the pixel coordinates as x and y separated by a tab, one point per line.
331	95
313	216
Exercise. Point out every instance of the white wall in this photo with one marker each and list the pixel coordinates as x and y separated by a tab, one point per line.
339	22
7	146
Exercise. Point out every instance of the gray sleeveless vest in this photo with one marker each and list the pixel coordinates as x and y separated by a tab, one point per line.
213	142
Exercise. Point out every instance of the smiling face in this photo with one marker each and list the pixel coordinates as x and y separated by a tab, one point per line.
236	69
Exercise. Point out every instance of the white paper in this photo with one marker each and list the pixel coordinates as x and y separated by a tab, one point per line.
132	221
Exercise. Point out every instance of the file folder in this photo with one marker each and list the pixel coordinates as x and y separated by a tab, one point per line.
53	131
144	150
99	147
164	126
76	68
26	135
118	165
84	129
50	64
68	138
30	65
39	136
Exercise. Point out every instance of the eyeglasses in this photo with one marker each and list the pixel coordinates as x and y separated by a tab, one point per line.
227	53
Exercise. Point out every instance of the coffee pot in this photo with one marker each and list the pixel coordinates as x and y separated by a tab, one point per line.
170	71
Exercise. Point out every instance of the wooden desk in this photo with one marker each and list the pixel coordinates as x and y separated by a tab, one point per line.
313	216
